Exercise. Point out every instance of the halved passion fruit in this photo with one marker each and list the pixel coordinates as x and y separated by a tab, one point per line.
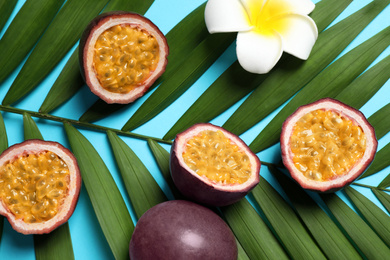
213	166
121	55
181	229
39	186
326	145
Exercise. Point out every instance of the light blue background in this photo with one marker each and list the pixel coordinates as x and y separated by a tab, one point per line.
88	240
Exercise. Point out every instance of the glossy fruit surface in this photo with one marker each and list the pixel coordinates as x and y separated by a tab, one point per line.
213	166
121	55
181	229
39	186
326	145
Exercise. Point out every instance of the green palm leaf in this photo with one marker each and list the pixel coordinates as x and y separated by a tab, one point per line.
182	39
286	223
60	36
329	83
385	183
24	31
70	80
6	8
364	237
381	161
31	130
172	88
383	197
143	190
235	83
254	235
106	199
284	82
376	217
56	245
162	158
328	236
3	146
380	121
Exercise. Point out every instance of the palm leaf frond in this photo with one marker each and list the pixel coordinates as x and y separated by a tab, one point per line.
142	188
328	236
365	238
24	31
59	37
286	223
107	202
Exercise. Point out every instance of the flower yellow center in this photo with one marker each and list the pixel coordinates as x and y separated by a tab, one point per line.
264	16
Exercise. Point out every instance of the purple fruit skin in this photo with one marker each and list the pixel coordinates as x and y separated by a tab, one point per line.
179	229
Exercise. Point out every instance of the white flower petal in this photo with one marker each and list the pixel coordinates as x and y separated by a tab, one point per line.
299	33
291	6
253	8
226	16
258	53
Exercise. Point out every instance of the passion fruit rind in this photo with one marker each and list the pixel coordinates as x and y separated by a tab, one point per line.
86	49
201	189
355	172
36	146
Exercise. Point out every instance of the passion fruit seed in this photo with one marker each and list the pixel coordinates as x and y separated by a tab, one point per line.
326	145
34	186
213	155
124	57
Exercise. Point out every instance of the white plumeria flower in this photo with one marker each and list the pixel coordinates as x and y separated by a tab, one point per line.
265	29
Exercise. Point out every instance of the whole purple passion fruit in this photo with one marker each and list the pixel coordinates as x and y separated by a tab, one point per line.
213	166
39	186
181	229
326	145
121	55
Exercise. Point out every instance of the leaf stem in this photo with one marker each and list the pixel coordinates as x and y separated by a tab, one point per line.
370	187
79	123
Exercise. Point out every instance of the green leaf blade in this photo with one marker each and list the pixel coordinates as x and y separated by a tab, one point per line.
143	190
383	197
328	236
31	130
6	8
24	31
286	223
329	83
106	199
70	80
376	217
162	158
54	246
364	237
60	36
379	120
385	182
254	235
200	59
182	39
379	163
